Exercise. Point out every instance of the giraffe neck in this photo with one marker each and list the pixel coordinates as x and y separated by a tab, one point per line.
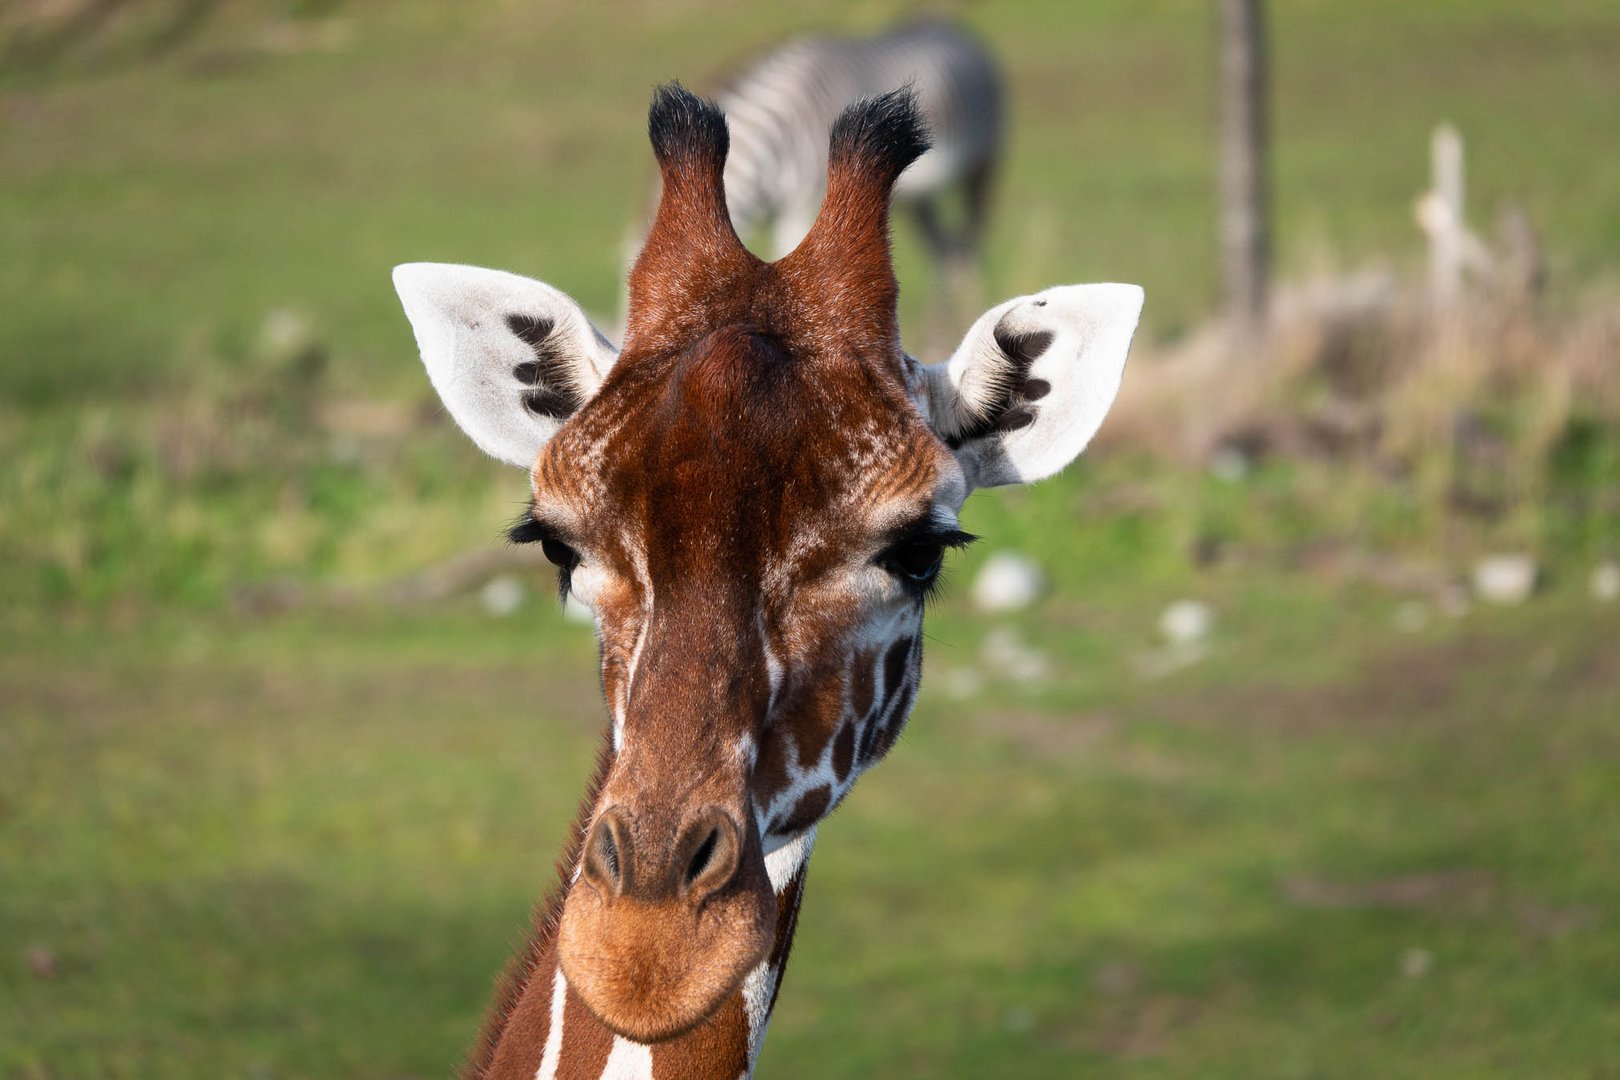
547	1033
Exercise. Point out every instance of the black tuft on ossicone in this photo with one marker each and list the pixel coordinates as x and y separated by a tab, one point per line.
884	134
682	125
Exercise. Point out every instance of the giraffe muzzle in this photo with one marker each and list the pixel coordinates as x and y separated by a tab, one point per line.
670	913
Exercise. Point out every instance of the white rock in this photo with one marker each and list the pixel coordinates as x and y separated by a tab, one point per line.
285	332
1606	582
1229	464
1008	581
1005	654
1169	659
1416	963
345	449
961	683
503	595
1505	579
1186	621
1454	601
1412	616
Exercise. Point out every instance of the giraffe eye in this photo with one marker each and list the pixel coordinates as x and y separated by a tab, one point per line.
916	560
527	530
558	554
916	557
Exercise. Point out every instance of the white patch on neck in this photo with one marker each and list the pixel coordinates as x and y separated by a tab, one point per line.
782	865
554	1032
628	1061
757	988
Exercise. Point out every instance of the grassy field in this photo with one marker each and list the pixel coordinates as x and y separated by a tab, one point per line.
241	841
301	848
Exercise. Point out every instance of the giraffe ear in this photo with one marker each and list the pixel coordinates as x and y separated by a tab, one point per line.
512	358
1032	380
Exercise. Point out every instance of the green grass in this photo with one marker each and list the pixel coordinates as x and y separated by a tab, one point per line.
302	844
180	203
302	848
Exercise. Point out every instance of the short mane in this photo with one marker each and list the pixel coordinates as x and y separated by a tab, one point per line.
520	970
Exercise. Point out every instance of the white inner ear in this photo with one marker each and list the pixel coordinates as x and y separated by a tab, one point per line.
512	358
1032	380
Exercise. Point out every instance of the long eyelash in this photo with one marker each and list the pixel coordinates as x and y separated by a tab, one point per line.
928	529
526	530
954	540
951	540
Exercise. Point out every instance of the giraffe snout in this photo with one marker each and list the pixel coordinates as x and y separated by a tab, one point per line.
639	856
674	908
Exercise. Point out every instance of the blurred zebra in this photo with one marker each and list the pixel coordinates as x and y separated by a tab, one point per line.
780	111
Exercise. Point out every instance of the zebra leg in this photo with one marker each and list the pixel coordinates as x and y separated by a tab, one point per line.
967	258
938	332
976	192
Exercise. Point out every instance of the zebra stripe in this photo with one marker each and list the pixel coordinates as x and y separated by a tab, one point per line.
781	110
780	114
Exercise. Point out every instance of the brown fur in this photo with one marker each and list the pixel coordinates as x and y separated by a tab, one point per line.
787	921
811	808
588	1043
718	1048
724	479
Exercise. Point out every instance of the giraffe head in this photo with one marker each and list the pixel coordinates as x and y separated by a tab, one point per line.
755	496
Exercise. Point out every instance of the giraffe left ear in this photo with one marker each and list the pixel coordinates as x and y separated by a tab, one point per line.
1031	382
511	357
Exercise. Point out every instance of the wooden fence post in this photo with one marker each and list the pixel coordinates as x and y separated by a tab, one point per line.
1244	190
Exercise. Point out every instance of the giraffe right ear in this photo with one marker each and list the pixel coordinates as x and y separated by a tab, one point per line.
1031	382
512	358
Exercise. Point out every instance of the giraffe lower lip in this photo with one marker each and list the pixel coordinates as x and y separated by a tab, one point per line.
654	971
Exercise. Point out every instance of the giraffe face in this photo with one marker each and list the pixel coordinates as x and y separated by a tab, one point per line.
757	540
758	584
754	497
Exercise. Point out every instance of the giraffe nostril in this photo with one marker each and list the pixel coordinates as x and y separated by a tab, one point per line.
702	856
709	854
610	854
605	857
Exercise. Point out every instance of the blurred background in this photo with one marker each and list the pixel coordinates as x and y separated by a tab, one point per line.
1278	737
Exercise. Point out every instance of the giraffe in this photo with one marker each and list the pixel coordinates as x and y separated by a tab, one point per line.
755	496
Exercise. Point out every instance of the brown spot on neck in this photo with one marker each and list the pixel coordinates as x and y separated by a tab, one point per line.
716	1048
810	808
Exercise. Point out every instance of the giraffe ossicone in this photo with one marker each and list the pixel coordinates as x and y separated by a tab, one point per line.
754	496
